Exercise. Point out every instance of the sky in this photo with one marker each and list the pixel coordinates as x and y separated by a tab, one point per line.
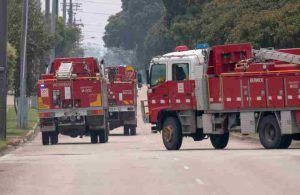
93	14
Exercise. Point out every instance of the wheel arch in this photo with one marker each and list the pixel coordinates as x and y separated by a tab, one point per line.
162	115
263	114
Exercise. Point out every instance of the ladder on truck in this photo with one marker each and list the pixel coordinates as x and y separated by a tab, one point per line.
65	71
265	54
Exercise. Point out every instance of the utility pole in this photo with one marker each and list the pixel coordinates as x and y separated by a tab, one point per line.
53	24
23	103
3	65
47	13
65	11
70	22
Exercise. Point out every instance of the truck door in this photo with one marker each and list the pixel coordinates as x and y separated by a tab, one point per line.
181	89
158	92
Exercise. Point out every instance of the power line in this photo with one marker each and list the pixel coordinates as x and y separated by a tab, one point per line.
102	2
97	13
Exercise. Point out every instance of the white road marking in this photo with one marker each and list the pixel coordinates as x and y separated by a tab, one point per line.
199	181
186	167
176	159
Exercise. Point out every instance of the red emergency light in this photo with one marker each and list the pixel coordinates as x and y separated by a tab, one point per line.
181	48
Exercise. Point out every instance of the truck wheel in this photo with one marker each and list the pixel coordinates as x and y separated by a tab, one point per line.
103	136
132	129
54	138
107	135
126	130
45	138
94	137
296	136
269	132
219	141
285	142
172	134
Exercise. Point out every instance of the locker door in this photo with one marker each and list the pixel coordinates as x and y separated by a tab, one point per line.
257	93
275	92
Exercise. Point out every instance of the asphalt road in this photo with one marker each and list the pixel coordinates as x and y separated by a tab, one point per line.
141	165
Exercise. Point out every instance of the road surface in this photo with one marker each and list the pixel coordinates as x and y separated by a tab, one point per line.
141	165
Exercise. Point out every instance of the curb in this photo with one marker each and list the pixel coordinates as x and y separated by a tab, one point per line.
20	140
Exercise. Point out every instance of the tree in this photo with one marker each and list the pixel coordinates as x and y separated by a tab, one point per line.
40	41
11	66
68	39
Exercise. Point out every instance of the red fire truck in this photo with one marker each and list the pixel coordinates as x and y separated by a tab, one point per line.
207	92
122	98
72	100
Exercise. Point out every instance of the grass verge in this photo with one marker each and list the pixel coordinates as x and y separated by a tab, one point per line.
12	131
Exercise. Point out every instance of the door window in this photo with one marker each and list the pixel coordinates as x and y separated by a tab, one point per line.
180	72
158	74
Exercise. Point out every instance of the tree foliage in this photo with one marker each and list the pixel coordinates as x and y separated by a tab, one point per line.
11	65
67	39
264	23
39	43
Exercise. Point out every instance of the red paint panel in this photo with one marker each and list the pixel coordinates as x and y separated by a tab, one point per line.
257	92
231	92
158	99
245	92
121	94
182	95
275	92
85	91
292	85
214	90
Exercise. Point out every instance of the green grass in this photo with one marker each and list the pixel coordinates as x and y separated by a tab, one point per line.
12	130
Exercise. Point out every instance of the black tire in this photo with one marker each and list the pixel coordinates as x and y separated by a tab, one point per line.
219	141
286	141
94	137
172	134
126	130
132	129
269	132
54	138
45	138
296	137
103	136
107	136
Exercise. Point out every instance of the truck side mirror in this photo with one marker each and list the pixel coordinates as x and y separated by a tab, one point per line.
140	80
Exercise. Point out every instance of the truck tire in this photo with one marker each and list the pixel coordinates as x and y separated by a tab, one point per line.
172	134
107	135
219	141
269	132
54	138
296	136
132	129
126	130
103	136
285	142
45	138
94	137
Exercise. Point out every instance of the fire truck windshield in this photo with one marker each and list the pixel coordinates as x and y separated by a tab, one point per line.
157	74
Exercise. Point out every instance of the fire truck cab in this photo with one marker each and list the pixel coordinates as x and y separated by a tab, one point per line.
207	92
